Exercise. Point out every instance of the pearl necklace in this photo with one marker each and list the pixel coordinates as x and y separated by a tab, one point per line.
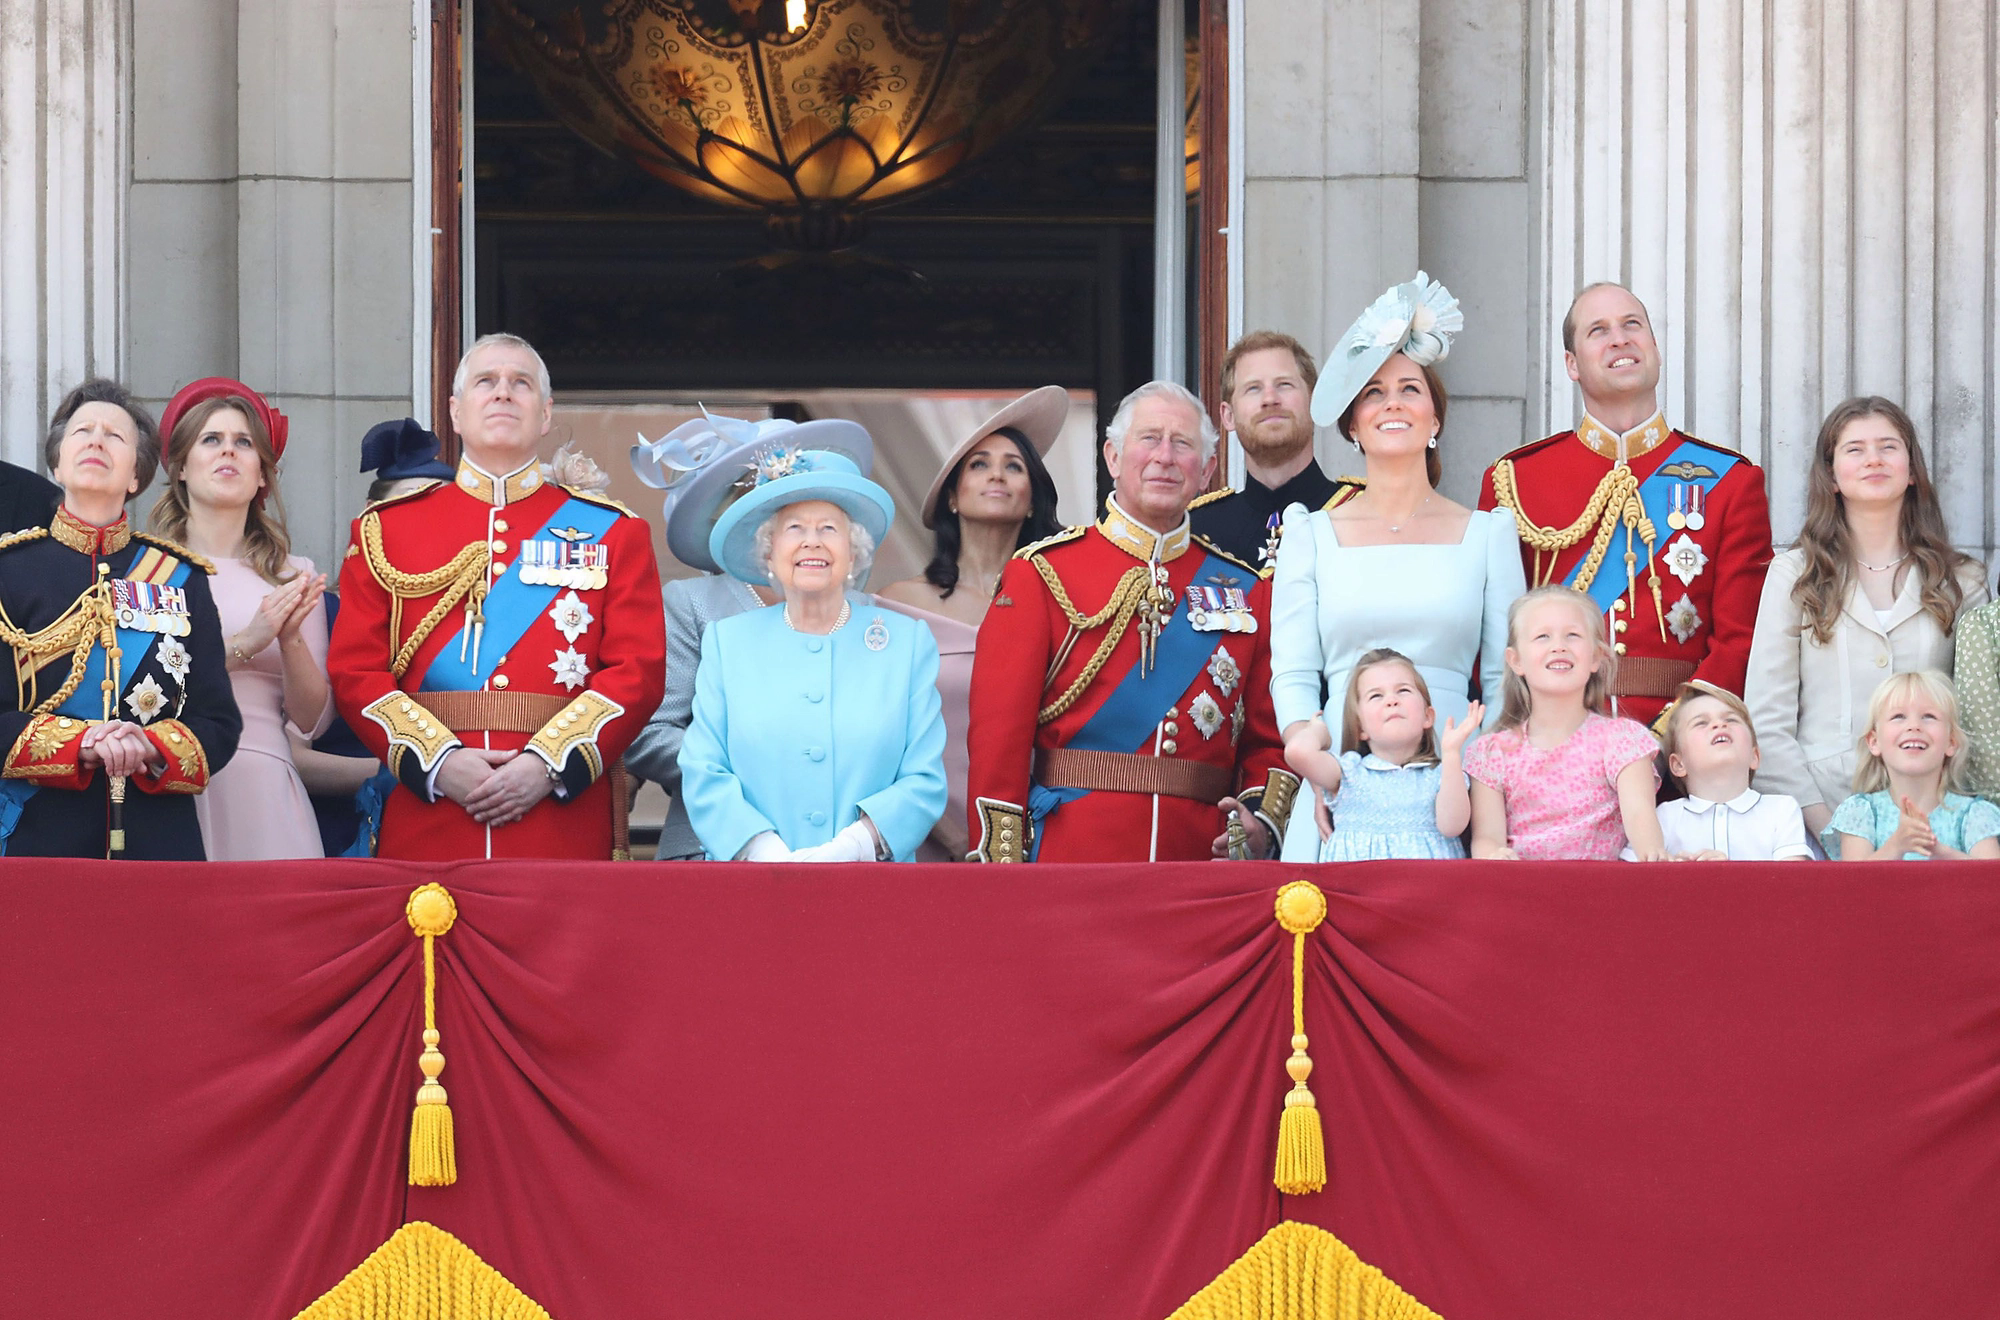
846	612
1882	568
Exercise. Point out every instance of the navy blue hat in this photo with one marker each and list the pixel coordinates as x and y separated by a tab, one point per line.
395	451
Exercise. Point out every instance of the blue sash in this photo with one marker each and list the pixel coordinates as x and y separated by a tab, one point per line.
1132	711
511	607
1656	493
86	703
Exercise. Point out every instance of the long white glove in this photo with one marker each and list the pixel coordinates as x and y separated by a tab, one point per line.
765	847
856	843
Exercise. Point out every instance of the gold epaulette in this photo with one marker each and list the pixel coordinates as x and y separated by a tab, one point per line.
1220	553
594	497
1345	489
176	549
1034	548
1210	498
402	495
22	537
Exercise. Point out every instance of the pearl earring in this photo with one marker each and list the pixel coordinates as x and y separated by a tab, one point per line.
1434	440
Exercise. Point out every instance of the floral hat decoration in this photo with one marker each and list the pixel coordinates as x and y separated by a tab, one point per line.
706	462
786	474
1416	318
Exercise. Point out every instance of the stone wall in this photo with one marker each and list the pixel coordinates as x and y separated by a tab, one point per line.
271	194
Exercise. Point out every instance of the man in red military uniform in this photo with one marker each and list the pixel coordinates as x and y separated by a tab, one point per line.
1121	691
1669	535
500	639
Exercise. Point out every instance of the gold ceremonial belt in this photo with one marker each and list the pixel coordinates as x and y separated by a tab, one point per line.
1118	772
492	712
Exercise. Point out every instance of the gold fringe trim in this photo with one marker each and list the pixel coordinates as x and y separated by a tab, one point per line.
424	1273
1299	1272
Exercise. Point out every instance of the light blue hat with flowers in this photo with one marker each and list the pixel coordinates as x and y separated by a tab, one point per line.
786	474
701	462
1416	318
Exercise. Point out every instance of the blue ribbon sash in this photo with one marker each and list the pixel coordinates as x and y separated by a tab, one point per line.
511	607
1128	716
1691	465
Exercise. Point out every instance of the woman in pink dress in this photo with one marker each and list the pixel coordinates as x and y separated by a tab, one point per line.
992	496
223	446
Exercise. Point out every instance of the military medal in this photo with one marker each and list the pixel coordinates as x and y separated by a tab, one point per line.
1676	498
1696	520
1221	608
149	607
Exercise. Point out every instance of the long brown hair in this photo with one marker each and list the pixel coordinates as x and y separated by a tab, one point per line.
1440	404
1516	702
265	541
1350	715
1828	576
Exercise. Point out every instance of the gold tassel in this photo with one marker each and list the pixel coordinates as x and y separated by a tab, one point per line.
433	1154
1301	1166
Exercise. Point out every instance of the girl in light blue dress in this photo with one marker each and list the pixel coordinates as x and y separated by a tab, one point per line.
1398	788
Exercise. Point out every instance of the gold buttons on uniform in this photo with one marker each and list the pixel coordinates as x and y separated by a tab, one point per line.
1619	648
1619	605
1169	747
499	524
64	723
1171	728
1621	625
1173	712
500	681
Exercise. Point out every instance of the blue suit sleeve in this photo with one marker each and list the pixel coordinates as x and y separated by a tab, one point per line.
1506	582
717	807
905	811
1298	662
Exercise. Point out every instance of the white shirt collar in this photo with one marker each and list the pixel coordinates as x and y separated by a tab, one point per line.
1739	804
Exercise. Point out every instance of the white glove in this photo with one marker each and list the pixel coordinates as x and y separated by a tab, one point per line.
856	843
765	847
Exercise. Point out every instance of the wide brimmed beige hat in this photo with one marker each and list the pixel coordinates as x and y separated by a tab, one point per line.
1039	415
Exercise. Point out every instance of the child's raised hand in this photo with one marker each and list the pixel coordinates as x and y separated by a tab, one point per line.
1453	738
1913	832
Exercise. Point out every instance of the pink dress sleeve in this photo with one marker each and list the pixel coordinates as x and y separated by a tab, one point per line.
1624	741
1486	759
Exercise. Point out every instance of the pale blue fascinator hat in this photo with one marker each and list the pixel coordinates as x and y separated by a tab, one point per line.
786	474
1416	318
702	462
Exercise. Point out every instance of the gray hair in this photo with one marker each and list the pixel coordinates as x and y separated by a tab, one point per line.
1121	421
500	340
859	539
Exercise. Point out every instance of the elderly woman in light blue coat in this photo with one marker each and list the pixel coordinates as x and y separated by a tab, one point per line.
817	733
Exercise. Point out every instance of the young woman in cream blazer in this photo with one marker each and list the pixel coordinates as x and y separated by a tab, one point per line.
1872	588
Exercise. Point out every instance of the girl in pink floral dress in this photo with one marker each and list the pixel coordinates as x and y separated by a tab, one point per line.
1558	779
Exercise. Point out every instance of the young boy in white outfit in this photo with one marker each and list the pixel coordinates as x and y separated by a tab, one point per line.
1711	749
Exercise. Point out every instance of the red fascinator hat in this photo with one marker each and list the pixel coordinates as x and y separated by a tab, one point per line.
276	424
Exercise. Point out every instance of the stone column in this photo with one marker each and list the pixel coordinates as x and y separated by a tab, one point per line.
272	194
1803	193
62	208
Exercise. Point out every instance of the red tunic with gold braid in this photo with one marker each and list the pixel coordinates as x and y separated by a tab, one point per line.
572	691
1039	677
1692	602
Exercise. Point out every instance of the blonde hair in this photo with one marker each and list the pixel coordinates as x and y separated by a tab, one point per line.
1870	775
1670	739
1350	714
1516	702
267	546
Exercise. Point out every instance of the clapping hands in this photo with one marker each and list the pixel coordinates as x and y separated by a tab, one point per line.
1913	832
281	613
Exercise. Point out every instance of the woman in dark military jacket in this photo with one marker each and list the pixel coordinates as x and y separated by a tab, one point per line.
119	673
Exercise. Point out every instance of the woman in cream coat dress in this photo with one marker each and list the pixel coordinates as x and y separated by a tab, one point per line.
1874	569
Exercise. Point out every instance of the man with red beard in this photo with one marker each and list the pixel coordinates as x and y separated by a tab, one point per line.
1668	534
1267	385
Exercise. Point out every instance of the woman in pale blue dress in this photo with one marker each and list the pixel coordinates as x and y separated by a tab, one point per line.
1398	565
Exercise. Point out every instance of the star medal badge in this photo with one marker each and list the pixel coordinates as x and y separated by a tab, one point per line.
1685	559
877	637
1684	619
